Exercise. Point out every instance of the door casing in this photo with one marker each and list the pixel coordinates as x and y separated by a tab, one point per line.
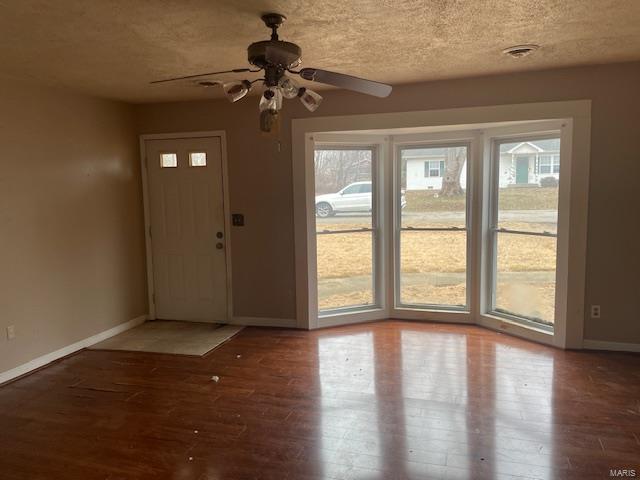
147	212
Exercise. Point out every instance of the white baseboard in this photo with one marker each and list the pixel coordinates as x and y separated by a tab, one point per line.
264	322
69	349
613	346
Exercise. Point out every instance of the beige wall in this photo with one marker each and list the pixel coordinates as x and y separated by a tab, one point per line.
261	178
71	235
71	224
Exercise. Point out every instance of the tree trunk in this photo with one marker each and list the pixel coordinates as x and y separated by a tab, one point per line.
454	161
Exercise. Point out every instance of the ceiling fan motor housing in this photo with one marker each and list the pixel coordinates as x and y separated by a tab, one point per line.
274	52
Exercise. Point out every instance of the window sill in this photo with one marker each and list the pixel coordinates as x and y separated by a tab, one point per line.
530	332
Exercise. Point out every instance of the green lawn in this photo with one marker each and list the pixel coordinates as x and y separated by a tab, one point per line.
533	198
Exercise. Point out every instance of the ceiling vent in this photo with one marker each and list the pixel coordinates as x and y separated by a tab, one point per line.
519	51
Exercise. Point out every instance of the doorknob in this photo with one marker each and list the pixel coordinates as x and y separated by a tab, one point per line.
219	234
219	245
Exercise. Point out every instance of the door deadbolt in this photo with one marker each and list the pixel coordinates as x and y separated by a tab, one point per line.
219	235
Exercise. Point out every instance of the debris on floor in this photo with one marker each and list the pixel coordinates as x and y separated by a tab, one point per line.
215	378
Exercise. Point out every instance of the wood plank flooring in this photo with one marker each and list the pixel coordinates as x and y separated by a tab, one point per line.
388	400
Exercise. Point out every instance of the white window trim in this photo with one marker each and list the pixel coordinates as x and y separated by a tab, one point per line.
329	316
496	137
355	314
572	214
452	139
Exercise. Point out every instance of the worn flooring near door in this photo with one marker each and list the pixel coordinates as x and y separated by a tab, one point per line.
389	400
163	336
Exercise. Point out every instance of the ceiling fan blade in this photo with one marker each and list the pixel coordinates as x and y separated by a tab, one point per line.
208	82
349	82
235	70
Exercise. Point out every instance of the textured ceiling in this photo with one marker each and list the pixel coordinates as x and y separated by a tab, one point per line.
113	48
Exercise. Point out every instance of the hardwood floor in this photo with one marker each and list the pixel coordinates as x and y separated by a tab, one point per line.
389	400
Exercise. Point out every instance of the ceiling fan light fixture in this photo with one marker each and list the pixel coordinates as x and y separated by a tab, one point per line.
289	88
236	89
276	58
309	98
269	121
271	99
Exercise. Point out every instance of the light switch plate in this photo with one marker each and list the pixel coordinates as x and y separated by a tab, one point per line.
11	332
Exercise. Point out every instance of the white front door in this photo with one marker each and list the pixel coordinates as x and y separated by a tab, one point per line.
187	228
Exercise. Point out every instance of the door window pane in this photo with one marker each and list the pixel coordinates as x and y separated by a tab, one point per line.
198	159
433	237
345	239
168	160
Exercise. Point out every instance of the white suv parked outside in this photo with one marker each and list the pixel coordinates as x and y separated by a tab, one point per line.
355	197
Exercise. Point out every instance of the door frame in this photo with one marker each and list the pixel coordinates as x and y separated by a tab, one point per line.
221	134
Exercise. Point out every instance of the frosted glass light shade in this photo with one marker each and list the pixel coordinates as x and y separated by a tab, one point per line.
289	88
310	99
236	90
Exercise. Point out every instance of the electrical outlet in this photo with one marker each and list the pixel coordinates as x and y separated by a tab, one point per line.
11	332
595	311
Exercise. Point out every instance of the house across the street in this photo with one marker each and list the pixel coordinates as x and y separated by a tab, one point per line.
522	164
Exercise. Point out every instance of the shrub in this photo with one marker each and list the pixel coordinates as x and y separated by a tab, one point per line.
548	182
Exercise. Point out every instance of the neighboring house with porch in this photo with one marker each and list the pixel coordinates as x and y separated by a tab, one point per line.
522	164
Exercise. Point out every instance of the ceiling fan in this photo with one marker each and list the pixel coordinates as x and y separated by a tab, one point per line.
277	58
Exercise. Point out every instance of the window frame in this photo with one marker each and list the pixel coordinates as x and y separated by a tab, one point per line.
333	315
467	140
492	212
574	117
